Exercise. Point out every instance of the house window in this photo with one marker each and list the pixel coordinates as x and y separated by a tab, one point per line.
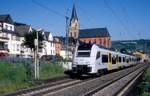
11	28
14	47
6	26
18	47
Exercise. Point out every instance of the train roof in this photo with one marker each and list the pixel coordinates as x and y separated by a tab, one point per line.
88	46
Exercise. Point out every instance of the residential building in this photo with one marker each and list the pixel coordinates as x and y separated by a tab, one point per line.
48	44
23	29
98	36
9	38
58	45
12	38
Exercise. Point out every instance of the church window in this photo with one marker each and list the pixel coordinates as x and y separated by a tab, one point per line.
100	41
94	40
71	34
74	34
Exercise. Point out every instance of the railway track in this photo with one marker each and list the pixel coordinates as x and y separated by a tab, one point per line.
77	87
50	85
91	87
115	87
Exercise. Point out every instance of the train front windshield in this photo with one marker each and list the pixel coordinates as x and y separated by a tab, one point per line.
83	54
84	50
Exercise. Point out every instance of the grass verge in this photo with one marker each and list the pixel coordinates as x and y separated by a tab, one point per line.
20	75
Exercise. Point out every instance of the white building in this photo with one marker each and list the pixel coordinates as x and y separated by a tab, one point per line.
12	37
48	44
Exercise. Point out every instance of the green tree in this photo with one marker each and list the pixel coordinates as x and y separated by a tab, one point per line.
29	43
30	37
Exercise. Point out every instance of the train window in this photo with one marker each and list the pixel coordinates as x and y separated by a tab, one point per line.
83	54
85	47
109	57
113	60
123	59
104	58
98	55
127	60
119	59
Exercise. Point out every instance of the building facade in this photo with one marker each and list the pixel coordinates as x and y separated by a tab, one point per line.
74	25
73	33
48	44
99	36
12	38
58	46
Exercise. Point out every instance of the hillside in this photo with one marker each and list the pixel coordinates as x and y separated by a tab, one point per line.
132	45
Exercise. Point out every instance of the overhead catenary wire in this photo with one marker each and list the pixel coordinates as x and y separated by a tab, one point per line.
48	9
117	17
127	18
51	10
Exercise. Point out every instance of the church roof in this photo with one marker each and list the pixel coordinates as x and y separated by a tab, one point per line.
93	32
46	35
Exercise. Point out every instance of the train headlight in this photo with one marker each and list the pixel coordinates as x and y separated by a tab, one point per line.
75	62
87	63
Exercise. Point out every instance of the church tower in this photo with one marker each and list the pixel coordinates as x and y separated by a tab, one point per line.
74	25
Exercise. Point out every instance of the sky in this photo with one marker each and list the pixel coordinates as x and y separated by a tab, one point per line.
124	19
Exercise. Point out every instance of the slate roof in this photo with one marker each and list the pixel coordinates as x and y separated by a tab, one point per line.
22	29
93	32
6	18
46	35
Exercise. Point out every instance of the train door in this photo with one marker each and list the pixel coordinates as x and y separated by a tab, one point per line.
114	61
117	62
109	65
97	61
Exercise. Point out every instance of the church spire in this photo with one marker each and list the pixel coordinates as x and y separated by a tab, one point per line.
74	14
74	24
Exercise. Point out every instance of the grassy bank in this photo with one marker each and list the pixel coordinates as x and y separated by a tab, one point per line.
144	86
17	75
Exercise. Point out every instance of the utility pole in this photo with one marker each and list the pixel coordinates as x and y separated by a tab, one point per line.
35	60
36	63
67	18
38	68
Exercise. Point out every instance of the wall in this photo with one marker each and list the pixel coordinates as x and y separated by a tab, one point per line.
104	41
